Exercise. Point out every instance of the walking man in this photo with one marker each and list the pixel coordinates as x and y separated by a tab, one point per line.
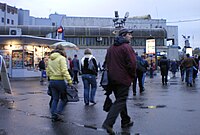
76	69
121	64
42	67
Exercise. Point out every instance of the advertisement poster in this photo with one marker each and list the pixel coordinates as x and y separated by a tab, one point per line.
189	50
150	46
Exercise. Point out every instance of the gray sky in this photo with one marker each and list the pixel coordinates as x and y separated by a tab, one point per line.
185	14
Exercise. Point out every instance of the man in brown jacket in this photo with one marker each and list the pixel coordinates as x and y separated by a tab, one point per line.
121	64
188	64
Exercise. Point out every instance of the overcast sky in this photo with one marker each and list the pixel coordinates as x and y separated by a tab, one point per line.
185	14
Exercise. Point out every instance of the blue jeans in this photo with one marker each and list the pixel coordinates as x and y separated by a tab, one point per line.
143	78
189	75
89	80
58	89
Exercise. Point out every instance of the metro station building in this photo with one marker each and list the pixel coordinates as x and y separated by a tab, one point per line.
35	35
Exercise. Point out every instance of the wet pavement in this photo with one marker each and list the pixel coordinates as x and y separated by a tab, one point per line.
162	110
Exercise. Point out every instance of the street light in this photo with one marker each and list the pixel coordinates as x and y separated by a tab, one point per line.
119	23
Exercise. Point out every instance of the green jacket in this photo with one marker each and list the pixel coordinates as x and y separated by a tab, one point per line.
57	68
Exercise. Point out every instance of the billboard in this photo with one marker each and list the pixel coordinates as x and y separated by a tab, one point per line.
150	46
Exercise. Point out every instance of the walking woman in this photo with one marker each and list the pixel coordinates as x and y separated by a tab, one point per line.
89	76
57	72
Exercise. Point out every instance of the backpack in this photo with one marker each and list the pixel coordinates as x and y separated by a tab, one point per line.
140	67
91	65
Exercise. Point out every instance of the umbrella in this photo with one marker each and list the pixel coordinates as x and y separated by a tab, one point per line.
67	45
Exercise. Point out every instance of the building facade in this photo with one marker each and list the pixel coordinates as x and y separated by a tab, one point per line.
97	33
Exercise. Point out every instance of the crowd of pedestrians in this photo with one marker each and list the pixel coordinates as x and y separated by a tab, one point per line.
125	69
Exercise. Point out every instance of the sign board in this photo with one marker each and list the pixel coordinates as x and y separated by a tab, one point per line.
150	46
4	76
189	50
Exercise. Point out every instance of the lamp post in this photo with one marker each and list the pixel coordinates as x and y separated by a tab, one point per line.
120	22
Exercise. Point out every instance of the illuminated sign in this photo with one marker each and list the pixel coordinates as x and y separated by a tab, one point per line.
189	50
150	46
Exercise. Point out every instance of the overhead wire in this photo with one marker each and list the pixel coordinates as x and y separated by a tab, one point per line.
180	21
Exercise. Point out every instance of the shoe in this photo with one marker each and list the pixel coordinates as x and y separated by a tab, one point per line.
190	84
141	91
127	124
93	102
134	94
108	129
56	117
86	104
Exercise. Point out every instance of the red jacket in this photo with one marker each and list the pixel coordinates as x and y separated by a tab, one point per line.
121	62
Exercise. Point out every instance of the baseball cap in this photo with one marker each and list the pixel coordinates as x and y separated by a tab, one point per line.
123	31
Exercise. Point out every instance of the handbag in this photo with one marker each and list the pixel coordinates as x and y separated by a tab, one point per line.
107	104
104	79
72	94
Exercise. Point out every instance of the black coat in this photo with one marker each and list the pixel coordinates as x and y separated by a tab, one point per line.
164	66
41	65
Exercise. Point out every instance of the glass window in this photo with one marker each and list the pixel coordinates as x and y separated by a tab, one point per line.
17	59
12	22
8	21
2	20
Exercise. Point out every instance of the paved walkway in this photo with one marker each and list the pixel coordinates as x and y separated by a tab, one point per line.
161	110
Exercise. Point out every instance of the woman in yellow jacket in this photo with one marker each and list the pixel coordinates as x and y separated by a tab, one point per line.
57	72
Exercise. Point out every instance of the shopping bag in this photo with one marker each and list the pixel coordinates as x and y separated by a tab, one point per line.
44	74
72	94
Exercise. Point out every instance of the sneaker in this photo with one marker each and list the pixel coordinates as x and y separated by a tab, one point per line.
108	129
127	125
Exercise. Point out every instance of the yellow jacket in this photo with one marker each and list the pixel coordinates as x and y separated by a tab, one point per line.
57	68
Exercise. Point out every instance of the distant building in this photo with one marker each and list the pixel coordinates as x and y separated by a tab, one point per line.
93	32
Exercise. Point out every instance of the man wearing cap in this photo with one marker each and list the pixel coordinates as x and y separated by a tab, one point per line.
121	64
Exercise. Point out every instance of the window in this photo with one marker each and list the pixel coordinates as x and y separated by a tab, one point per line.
12	22
2	20
53	24
8	21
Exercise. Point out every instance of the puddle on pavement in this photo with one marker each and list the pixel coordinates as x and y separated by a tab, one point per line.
190	110
173	83
33	92
153	106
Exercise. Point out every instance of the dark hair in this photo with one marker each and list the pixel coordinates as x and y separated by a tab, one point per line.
60	47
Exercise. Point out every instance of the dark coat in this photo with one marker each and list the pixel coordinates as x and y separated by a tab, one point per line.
41	65
164	66
121	62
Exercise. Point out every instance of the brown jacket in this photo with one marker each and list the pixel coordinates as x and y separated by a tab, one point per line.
188	62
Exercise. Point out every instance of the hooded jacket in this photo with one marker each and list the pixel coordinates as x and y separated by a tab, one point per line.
121	62
57	68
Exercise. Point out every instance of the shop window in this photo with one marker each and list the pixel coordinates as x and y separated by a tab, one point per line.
17	59
28	60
